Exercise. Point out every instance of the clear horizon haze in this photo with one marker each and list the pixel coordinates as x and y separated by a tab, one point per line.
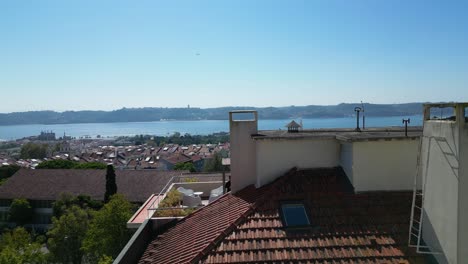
105	55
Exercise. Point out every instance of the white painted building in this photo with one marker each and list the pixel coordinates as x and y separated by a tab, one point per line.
374	159
433	162
443	171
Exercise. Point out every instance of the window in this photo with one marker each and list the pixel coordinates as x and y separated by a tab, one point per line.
294	214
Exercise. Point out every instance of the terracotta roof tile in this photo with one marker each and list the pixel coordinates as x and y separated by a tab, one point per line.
246	227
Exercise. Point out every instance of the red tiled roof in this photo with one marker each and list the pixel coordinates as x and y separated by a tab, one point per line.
178	158
198	232
246	227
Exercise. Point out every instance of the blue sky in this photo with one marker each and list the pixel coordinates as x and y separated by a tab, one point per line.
75	55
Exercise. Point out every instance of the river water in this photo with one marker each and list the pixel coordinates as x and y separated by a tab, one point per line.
202	127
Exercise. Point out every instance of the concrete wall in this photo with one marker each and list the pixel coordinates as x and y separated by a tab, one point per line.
384	165
463	187
277	156
441	188
346	159
243	151
463	192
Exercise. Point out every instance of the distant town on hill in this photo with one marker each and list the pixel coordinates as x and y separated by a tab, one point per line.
191	113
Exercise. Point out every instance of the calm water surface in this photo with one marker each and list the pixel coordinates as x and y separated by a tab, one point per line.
203	127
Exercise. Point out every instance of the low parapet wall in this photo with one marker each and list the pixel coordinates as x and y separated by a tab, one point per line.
204	187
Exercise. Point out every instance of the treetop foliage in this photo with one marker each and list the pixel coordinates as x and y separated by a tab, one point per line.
69	164
21	211
67	200
108	233
17	247
67	234
185	166
33	151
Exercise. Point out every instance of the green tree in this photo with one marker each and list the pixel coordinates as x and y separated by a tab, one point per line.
108	232
16	246
185	166
214	164
91	166
33	151
67	234
68	164
8	171
57	164
168	206
21	211
105	260
111	185
67	200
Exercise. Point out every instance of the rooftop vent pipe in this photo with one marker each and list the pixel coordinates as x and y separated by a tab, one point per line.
357	110
406	122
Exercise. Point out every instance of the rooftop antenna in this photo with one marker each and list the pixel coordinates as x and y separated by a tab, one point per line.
357	109
406	122
363	116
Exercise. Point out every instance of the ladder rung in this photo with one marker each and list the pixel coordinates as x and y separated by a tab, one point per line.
415	228
417	207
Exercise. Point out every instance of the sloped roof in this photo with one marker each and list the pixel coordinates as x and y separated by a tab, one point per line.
178	158
48	184
293	124
246	227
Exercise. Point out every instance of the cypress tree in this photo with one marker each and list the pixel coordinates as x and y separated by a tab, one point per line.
111	185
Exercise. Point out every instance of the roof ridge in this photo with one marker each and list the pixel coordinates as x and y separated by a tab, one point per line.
222	235
219	200
268	189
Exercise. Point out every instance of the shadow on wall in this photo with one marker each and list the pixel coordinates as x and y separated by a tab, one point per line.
430	236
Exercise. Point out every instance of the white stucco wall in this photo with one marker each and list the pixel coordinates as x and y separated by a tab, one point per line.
441	189
384	165
242	153
463	192
346	159
277	156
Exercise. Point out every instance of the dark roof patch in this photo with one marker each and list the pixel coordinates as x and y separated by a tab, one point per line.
47	184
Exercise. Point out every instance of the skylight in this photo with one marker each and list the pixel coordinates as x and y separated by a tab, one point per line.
294	214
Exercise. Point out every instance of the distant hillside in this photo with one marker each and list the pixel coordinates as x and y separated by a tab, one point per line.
220	113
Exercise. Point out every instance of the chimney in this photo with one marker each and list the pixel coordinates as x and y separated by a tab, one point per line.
242	124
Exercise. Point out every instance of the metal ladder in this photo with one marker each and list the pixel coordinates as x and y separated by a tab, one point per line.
416	221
